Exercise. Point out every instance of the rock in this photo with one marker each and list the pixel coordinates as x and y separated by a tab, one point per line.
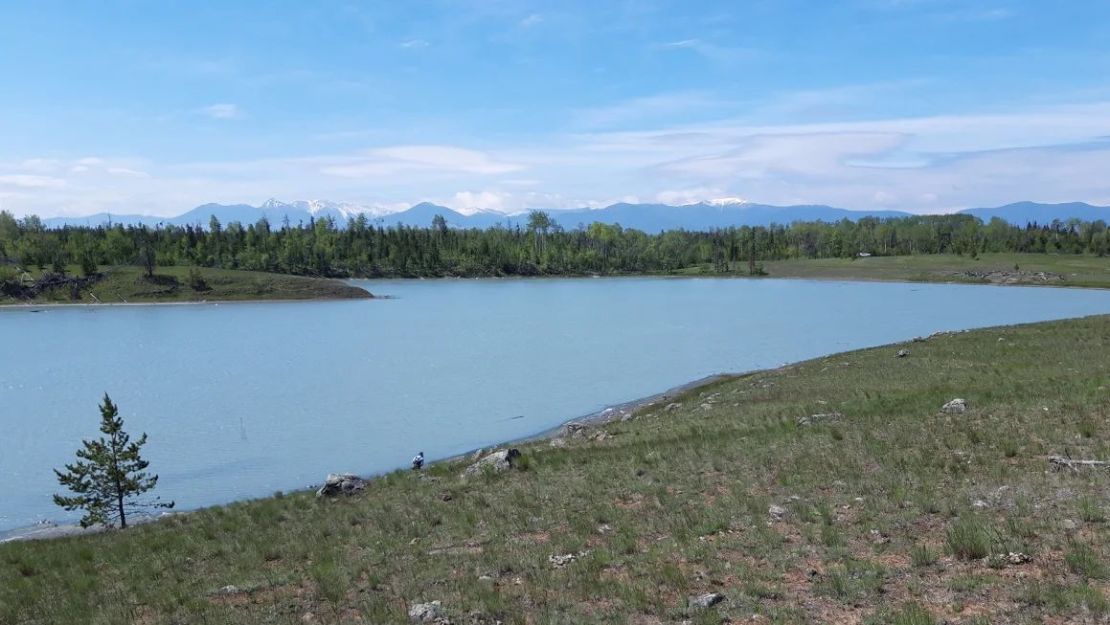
576	429
979	503
706	406
879	538
1016	557
776	512
559	561
702	602
671	407
477	455
341	484
902	353
497	462
821	416
1069	525
426	612
919	339
558	443
956	406
228	590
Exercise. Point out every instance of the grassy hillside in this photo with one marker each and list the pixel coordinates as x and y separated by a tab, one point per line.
1059	270
175	284
886	510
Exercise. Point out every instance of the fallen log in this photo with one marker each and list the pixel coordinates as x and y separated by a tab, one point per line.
1060	462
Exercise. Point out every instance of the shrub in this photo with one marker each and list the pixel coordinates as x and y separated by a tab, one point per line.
969	538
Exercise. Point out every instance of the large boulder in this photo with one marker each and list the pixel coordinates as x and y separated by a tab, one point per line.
956	406
496	462
341	484
426	612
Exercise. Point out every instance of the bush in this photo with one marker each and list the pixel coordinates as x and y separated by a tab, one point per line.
969	538
196	280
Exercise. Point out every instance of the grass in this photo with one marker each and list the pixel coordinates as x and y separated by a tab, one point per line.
908	516
1075	269
128	284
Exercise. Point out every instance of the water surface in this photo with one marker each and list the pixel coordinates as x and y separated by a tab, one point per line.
241	400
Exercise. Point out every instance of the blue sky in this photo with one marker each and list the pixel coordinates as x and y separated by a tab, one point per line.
921	105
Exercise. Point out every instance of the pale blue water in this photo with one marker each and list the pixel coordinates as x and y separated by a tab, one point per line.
241	400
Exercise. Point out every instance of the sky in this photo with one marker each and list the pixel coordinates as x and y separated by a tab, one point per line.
919	105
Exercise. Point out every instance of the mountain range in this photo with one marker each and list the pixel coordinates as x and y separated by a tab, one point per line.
646	217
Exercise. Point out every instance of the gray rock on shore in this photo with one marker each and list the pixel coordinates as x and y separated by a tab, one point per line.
341	484
497	462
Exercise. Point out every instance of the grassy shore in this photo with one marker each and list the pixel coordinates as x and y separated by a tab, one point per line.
126	284
1025	269
891	512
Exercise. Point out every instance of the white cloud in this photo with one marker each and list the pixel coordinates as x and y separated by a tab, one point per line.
221	111
928	164
126	171
29	181
414	44
428	159
531	20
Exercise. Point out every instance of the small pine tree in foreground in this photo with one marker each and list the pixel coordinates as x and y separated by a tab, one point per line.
108	475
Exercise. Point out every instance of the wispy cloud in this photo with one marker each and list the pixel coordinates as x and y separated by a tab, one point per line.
713	51
414	44
434	159
28	181
531	20
221	111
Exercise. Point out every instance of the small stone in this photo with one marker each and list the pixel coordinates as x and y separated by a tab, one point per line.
879	538
558	443
956	406
1016	557
1069	525
702	602
672	407
776	512
228	590
902	353
979	503
426	612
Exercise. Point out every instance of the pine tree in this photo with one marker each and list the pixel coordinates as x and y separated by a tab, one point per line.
108	475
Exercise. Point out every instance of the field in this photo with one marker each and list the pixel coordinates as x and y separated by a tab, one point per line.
1026	269
831	491
127	284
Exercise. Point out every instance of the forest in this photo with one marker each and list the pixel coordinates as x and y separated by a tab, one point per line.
325	248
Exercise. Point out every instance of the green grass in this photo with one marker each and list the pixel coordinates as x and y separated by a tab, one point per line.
882	524
1075	270
127	284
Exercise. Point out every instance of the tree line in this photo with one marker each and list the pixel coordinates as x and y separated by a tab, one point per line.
324	247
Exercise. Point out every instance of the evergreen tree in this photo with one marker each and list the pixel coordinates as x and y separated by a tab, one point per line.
108	475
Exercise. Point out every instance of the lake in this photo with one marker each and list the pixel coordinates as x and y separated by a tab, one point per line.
241	400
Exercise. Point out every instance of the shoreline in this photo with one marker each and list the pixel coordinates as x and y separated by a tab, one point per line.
49	530
215	302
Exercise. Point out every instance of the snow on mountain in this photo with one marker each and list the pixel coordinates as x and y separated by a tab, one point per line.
726	201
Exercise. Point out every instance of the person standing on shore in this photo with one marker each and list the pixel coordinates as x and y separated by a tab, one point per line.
418	461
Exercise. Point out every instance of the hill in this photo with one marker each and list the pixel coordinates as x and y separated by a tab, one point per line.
835	490
1022	213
